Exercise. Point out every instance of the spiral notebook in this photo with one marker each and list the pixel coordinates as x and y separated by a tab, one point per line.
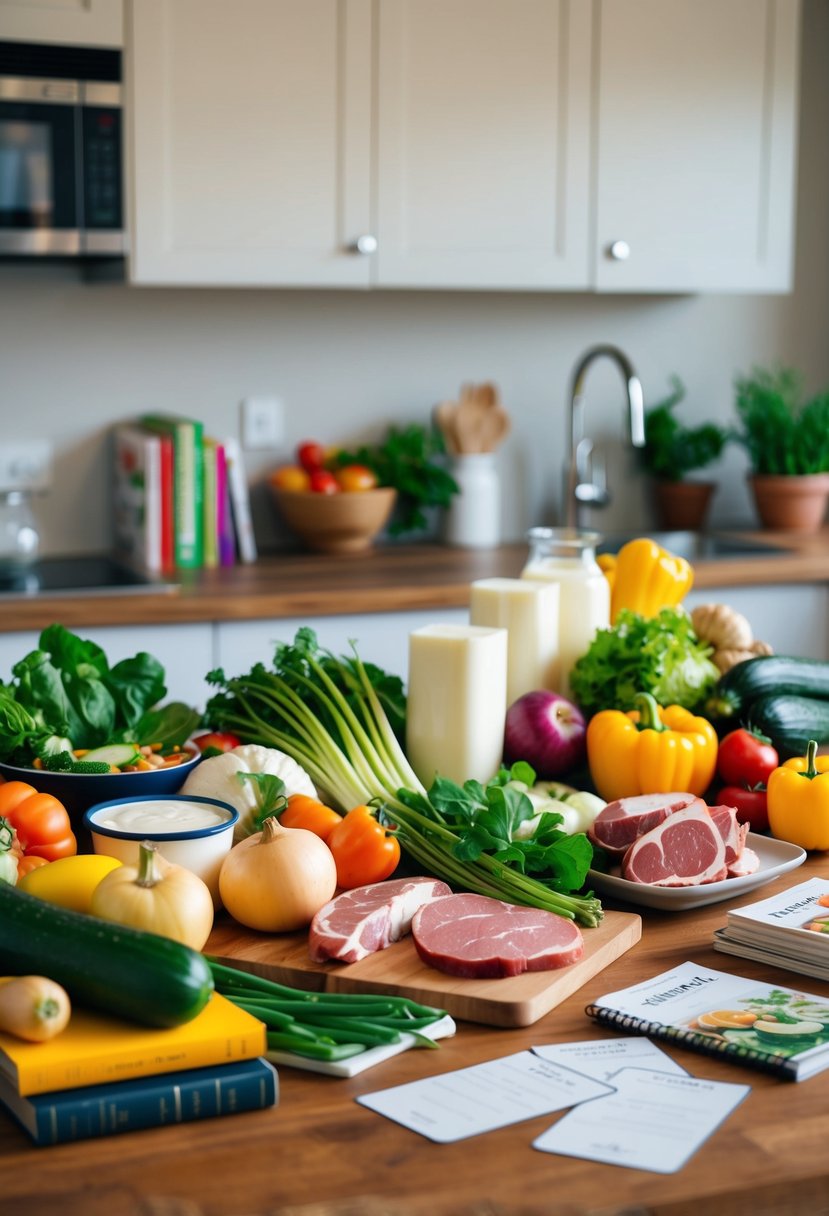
765	1026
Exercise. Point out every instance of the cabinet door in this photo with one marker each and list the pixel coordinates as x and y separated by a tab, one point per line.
250	141
696	144
483	143
75	22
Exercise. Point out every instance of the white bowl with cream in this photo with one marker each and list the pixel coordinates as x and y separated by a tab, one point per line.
190	831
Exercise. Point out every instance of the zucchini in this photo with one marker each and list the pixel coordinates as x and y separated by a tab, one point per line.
739	687
791	721
126	972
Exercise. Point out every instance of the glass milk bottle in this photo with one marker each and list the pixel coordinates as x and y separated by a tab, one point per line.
568	557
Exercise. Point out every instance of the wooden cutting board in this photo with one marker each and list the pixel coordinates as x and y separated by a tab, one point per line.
513	1001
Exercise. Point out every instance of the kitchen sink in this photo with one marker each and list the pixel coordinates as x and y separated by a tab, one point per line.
92	574
696	546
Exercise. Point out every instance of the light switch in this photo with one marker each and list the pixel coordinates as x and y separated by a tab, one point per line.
263	422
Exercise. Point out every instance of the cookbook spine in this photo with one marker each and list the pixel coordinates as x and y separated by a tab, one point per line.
188	486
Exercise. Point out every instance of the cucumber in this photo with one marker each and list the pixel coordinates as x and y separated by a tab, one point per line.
115	754
126	972
791	721
742	685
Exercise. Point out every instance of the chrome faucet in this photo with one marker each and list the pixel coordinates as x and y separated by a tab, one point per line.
585	479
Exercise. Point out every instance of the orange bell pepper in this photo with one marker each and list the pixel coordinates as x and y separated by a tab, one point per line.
305	812
363	850
650	750
41	822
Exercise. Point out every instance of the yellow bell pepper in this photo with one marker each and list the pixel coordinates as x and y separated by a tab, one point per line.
650	750
798	800
647	578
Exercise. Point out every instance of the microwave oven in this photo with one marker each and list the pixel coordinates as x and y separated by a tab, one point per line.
61	173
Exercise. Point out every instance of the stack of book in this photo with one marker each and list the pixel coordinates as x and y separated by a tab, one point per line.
789	930
101	1076
181	498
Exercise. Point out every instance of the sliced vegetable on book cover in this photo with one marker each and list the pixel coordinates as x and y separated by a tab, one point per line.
749	1022
95	1049
90	1111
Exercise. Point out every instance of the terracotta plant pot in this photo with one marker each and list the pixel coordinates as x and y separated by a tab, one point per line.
795	503
682	506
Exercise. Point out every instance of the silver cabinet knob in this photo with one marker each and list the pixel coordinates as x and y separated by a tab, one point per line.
619	251
364	244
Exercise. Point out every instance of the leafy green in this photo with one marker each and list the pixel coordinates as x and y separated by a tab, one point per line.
409	460
672	450
662	656
64	695
782	433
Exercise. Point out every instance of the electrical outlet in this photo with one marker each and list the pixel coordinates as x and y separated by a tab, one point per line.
26	466
263	422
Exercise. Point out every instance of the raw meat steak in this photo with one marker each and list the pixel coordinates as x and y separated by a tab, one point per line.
747	863
619	823
732	831
365	919
477	937
683	851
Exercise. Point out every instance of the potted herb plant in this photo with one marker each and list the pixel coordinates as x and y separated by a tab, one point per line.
671	453
787	440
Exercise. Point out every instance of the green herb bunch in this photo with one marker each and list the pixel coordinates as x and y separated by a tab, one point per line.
672	450
409	459
782	433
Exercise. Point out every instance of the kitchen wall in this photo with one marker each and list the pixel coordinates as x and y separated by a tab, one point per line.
77	355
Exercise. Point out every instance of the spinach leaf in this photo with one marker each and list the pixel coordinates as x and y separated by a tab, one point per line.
169	725
136	685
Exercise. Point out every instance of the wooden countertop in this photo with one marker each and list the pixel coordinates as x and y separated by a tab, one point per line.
319	1153
394	578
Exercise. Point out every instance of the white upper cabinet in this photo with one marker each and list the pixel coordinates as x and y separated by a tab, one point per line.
250	141
696	142
74	22
612	145
483	143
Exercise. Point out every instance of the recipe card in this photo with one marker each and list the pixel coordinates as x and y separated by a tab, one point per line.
601	1058
483	1097
654	1121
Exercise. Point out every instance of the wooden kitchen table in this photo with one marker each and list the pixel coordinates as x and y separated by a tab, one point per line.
321	1154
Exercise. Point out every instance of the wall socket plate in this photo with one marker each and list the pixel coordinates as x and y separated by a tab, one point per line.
26	466
263	422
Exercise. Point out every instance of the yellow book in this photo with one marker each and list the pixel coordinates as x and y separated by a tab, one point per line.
95	1048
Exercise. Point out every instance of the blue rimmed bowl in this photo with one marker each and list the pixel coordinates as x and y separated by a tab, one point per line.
189	830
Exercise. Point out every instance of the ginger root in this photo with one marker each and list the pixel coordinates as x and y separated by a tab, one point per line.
730	634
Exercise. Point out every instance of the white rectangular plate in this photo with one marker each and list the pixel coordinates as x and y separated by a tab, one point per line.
776	858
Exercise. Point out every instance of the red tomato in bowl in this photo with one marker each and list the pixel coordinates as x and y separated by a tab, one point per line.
323	482
311	455
354	478
746	758
217	741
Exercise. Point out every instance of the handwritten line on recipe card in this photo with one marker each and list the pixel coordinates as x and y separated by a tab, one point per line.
601	1058
483	1097
653	1121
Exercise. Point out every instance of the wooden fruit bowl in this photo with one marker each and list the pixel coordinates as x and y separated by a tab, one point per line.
336	523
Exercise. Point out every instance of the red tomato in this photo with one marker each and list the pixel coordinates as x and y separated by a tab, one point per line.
323	482
310	455
217	741
745	758
750	805
290	477
356	477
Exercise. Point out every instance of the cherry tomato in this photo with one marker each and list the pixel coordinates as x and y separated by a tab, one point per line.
750	805
305	812
291	477
746	758
363	850
310	455
216	741
323	482
356	477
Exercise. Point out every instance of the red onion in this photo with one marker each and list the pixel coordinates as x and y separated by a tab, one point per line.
547	731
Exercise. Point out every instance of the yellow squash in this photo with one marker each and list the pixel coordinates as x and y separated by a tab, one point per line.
158	897
69	881
650	750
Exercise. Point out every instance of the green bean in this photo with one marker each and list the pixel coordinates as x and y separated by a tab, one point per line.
314	1051
351	1030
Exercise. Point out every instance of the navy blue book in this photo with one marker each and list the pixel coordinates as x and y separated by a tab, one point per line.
148	1101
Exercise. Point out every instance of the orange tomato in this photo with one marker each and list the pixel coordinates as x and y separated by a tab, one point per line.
43	827
354	478
12	793
363	850
290	477
305	812
25	865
